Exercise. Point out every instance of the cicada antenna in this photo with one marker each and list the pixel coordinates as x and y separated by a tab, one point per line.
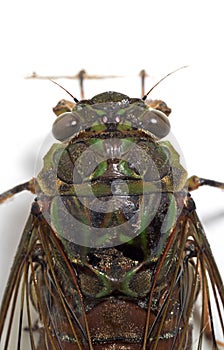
166	76
62	87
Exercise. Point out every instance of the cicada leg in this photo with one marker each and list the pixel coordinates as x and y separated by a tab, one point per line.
194	182
26	186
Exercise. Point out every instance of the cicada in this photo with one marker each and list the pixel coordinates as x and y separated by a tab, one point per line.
113	255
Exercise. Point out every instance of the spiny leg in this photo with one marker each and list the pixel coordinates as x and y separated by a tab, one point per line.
26	186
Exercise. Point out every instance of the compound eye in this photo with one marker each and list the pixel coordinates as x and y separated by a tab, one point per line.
156	122
66	125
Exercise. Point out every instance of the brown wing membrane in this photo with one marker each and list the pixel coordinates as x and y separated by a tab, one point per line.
46	315
211	285
171	328
18	269
196	277
64	324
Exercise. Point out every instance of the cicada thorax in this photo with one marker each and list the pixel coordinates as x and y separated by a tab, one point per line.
113	194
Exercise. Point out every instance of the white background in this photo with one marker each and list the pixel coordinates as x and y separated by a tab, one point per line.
111	37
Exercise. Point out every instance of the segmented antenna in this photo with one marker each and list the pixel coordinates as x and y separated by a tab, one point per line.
166	76
62	87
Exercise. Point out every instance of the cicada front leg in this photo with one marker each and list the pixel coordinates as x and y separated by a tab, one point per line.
194	182
26	186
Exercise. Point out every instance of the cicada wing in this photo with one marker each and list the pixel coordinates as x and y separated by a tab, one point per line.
211	296
12	309
171	327
36	289
59	298
194	276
